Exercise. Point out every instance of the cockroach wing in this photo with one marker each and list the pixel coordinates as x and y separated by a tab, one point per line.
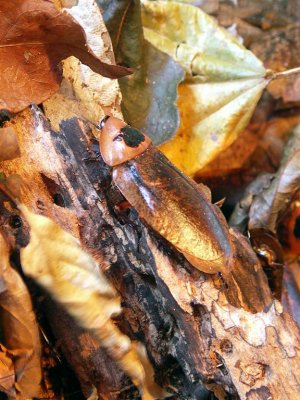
174	206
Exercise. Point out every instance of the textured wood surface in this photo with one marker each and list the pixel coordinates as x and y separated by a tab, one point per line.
201	332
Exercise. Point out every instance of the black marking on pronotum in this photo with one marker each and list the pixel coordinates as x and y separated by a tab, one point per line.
103	120
132	137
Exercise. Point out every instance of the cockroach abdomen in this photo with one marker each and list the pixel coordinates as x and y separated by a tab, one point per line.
174	206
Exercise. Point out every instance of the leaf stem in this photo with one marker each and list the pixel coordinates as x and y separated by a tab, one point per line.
121	26
283	74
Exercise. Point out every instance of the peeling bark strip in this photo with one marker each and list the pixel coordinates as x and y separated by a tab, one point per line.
194	334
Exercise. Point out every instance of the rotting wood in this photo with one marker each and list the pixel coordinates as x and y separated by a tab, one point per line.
196	329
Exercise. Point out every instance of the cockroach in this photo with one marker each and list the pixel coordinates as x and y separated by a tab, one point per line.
168	201
270	254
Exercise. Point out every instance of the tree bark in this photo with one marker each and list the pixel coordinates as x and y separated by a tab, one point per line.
203	333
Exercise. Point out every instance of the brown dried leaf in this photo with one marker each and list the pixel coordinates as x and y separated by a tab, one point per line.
258	13
56	261
7	372
35	38
240	216
279	50
267	207
9	148
19	328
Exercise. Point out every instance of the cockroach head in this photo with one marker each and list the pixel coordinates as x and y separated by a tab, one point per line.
120	142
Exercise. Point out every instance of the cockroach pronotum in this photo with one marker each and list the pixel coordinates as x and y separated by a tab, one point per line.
167	200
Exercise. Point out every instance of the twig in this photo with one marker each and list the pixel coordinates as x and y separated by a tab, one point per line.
283	74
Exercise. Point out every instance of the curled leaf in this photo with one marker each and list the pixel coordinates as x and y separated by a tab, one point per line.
225	81
195	41
83	93
9	148
240	217
149	95
56	261
35	38
7	373
269	206
20	330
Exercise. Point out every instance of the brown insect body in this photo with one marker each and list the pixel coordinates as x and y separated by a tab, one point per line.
174	206
270	254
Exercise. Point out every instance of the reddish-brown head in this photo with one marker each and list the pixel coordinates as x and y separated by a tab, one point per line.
119	142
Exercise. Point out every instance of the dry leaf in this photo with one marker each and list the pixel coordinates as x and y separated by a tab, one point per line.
9	148
35	38
84	93
225	84
212	117
153	85
56	261
240	217
279	50
270	205
19	328
7	372
265	139
195	41
234	158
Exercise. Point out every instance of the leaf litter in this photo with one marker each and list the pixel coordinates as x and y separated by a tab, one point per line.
231	87
150	93
20	369
56	261
36	37
223	84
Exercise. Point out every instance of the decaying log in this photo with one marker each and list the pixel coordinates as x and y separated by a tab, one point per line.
202	333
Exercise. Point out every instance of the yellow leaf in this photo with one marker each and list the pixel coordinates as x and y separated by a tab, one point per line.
224	80
56	261
195	41
210	126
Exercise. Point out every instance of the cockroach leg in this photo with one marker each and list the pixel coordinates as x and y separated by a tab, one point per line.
220	202
222	279
95	157
123	206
